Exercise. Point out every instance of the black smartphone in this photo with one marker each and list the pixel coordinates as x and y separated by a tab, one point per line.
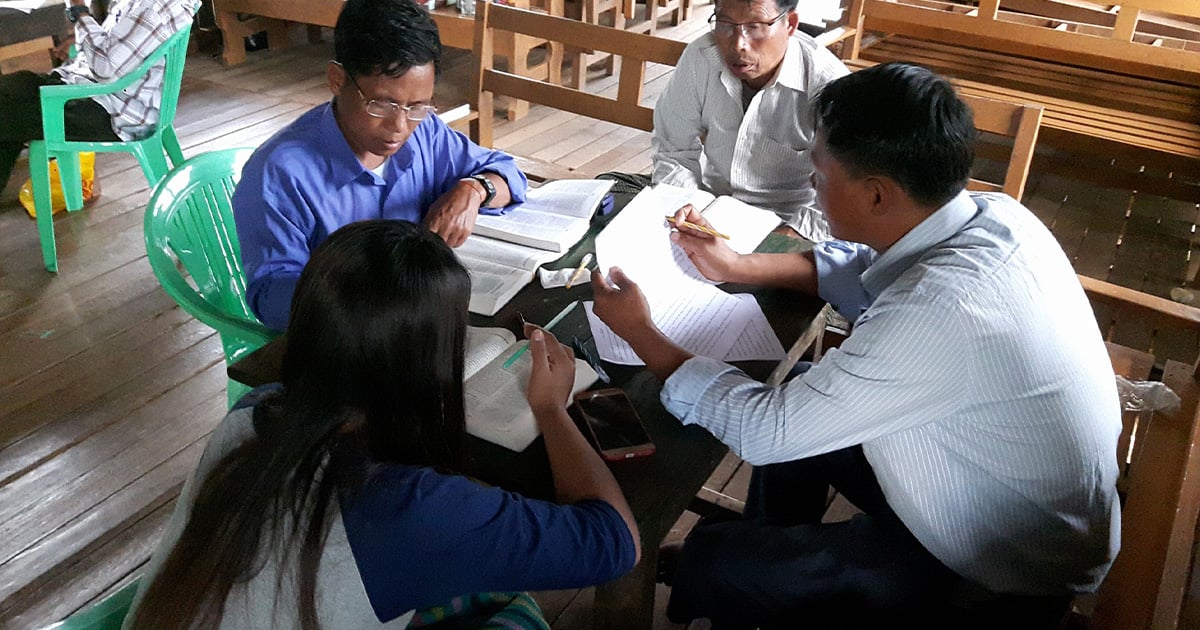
614	425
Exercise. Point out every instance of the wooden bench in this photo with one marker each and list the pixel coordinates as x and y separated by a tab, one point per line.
1118	81
1159	455
456	31
632	50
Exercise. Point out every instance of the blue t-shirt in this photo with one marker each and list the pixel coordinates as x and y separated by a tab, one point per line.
420	537
304	183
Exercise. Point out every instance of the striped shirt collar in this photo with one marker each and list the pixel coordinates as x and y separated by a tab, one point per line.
937	227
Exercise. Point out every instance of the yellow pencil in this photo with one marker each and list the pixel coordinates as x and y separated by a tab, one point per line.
587	258
698	228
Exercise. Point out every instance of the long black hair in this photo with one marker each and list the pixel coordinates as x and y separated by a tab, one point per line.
372	374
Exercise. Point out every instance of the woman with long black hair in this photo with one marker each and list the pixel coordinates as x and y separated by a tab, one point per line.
334	499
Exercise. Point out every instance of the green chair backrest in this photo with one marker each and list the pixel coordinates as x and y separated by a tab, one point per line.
189	225
173	50
156	152
107	614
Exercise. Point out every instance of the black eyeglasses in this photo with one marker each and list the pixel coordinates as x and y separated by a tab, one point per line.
377	108
750	30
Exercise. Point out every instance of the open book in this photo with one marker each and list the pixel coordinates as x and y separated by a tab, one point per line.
495	395
554	216
498	270
503	252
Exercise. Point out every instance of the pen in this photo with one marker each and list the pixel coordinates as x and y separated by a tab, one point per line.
557	318
699	228
587	258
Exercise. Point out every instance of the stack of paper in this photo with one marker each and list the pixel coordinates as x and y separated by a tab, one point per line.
685	305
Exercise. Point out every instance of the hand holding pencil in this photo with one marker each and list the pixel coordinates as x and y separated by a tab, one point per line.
707	248
690	219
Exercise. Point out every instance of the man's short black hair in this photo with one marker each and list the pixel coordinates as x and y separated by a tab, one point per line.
385	37
903	122
782	5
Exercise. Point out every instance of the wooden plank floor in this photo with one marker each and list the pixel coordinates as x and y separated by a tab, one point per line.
108	390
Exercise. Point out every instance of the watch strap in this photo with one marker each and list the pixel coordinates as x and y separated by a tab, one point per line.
488	187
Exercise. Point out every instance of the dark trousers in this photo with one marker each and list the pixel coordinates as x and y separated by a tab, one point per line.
780	567
21	112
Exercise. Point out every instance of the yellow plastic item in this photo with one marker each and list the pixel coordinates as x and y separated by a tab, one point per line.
87	171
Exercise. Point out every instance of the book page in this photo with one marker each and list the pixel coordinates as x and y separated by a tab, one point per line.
493	285
503	253
758	341
572	197
544	230
745	225
495	399
483	345
554	217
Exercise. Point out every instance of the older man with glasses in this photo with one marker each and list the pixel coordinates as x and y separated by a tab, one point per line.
376	150
734	118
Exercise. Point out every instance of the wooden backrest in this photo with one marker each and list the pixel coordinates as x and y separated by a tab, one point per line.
1146	38
1018	121
1160	452
634	50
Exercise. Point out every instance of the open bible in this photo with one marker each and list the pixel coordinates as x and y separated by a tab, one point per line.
503	251
495	393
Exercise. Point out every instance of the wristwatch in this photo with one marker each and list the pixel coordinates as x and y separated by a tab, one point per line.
76	10
489	188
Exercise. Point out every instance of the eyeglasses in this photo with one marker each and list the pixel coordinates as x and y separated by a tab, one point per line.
377	108
750	30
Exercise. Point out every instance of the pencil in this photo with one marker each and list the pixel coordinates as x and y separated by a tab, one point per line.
698	228
587	259
557	318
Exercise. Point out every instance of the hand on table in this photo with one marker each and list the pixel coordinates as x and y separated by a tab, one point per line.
452	216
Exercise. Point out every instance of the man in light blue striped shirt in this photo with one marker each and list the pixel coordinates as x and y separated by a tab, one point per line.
971	415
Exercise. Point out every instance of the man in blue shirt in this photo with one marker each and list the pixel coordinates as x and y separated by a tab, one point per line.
985	477
377	150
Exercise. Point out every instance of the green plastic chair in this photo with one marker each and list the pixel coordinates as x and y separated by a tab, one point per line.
189	225
107	614
152	151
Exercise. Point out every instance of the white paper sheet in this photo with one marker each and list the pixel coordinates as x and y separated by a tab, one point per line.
685	306
758	341
707	323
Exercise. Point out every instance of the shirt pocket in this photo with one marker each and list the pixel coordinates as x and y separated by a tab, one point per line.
782	166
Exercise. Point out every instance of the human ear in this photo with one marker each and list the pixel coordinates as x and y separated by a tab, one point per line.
792	21
335	76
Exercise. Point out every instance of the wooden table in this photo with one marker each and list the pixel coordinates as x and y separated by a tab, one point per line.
658	488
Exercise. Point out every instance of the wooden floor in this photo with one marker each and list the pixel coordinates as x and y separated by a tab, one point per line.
108	390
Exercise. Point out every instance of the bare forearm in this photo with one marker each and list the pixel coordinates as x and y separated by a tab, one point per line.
662	356
578	471
795	271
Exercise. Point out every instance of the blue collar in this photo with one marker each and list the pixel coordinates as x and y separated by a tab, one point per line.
937	227
344	166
